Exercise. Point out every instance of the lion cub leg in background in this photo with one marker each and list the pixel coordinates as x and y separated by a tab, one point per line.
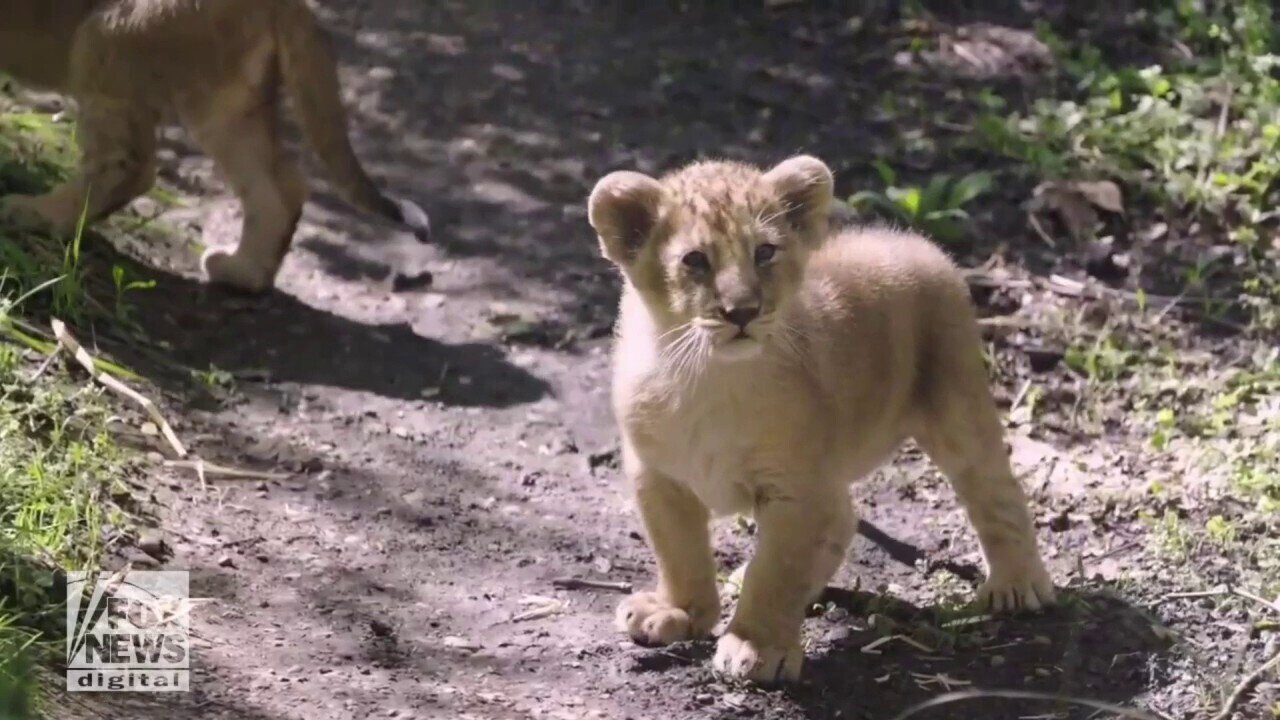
117	140
960	430
802	542
246	149
686	605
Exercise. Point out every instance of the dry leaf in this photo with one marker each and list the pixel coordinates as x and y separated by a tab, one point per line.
1076	213
1102	193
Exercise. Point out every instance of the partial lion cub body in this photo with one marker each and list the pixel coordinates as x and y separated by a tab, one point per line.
220	67
761	366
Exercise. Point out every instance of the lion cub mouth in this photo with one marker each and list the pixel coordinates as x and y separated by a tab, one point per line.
739	346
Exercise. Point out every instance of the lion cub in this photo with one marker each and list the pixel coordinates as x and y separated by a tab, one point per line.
761	366
221	69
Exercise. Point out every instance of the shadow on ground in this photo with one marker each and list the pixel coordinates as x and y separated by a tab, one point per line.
278	338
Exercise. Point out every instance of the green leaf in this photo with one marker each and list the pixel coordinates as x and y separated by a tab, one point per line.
935	193
875	201
908	199
886	173
969	188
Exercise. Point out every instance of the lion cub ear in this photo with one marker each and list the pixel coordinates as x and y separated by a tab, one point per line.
623	209
805	186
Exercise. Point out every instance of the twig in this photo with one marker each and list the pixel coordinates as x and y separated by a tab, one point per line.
953	697
1164	311
587	584
1022	394
69	343
206	468
1245	686
1272	606
44	366
1035	225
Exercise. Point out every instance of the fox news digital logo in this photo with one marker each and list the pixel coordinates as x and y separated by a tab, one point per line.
128	631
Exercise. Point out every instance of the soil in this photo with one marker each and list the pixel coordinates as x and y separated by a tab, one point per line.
446	440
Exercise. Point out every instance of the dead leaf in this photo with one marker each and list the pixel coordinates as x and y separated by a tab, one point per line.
1075	211
1102	193
1076	203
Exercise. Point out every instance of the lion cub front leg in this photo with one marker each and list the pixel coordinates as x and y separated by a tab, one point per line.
685	606
802	543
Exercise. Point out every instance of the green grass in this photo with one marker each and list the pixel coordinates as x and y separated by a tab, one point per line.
59	468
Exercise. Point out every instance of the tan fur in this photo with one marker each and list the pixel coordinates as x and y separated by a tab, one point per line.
220	68
863	339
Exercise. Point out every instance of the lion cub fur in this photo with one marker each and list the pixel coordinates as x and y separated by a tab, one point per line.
761	365
220	68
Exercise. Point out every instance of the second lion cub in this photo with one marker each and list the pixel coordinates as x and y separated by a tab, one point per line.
761	366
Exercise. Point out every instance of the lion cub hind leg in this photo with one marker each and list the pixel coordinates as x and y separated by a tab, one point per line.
117	142
685	606
802	543
961	432
271	190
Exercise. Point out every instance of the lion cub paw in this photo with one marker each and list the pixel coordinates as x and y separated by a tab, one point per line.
651	620
234	270
1026	586
740	657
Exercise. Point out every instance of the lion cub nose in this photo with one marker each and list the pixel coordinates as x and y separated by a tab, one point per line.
740	316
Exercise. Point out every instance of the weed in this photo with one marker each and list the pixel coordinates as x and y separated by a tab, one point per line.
1199	137
59	469
936	209
1171	538
123	287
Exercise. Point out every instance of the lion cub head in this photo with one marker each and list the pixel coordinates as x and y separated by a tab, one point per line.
715	250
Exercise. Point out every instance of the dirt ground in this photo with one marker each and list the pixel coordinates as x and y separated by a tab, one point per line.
447	444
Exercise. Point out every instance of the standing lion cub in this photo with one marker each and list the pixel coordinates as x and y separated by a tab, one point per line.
220	67
760	367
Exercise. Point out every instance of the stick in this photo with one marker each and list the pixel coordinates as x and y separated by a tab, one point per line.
205	467
1035	225
82	356
584	584
1245	686
1274	607
953	697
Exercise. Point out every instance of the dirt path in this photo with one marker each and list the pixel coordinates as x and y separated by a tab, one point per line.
449	447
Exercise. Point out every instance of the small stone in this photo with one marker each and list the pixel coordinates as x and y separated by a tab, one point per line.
837	614
455	642
226	561
997	660
152	543
836	636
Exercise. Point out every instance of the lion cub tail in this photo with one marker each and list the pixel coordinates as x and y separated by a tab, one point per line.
310	77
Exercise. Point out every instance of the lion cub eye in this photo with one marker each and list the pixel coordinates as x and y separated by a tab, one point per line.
765	253
697	260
